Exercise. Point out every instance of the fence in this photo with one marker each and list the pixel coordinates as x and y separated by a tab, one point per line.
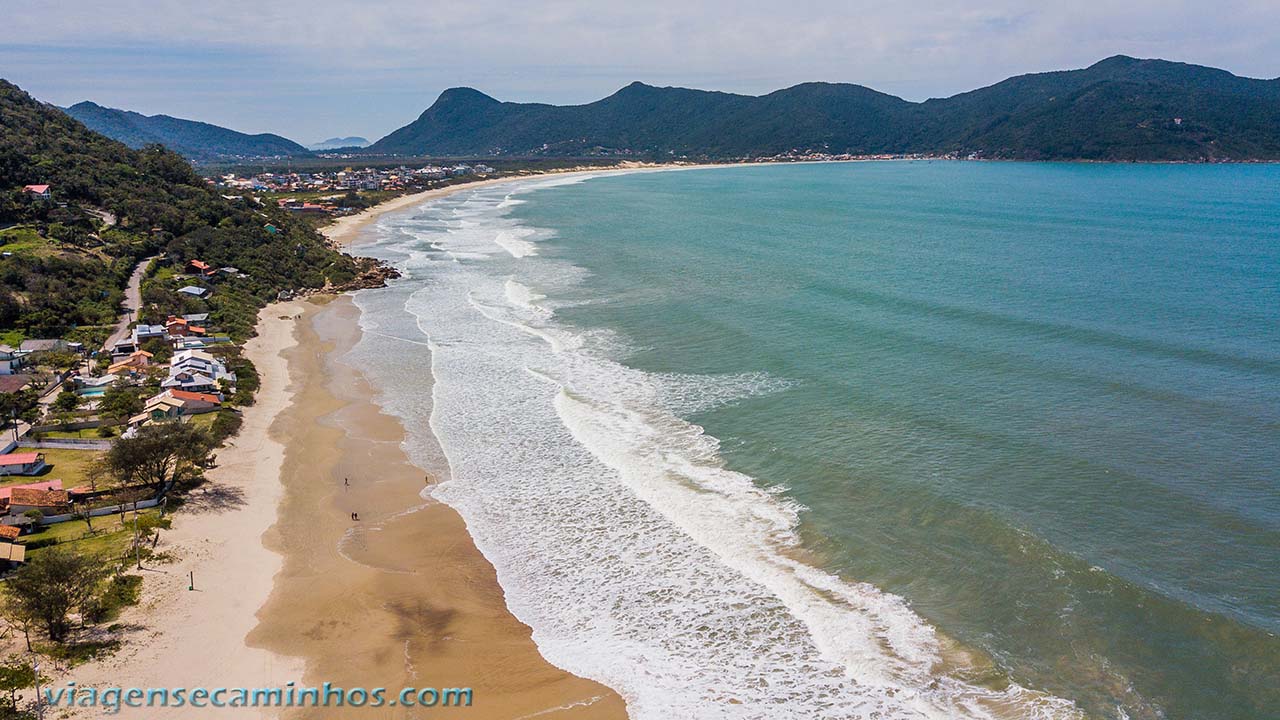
67	444
99	512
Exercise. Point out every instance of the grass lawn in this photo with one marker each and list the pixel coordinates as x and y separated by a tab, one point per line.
110	538
204	421
12	338
69	466
23	241
85	434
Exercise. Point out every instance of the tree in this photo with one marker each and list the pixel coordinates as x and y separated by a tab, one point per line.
120	402
15	674
66	402
52	586
157	455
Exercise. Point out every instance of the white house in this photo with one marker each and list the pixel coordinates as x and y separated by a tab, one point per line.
23	463
10	360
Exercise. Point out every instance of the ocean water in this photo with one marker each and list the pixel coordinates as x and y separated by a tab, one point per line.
894	440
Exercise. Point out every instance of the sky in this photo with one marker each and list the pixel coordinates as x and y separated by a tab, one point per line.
321	68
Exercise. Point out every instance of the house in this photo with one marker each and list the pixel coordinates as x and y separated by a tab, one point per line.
200	361
14	383
173	404
190	380
49	502
23	463
6	493
31	347
195	402
123	349
12	554
197	318
136	361
142	333
9	533
177	327
10	360
38	191
200	267
193	291
86	383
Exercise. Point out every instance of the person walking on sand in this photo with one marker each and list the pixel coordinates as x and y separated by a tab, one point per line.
346	481
355	516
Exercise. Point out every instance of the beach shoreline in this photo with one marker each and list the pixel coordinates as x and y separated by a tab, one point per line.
345	231
180	637
380	586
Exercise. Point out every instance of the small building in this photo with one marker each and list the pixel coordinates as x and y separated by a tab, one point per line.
38	191
49	502
9	533
23	463
32	347
197	317
177	327
191	382
195	402
174	404
193	291
10	360
14	383
131	365
12	554
200	267
142	333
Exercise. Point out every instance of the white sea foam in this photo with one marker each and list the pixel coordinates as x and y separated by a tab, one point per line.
514	241
617	532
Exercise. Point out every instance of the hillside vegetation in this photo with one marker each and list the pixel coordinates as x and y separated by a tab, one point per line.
1118	109
66	259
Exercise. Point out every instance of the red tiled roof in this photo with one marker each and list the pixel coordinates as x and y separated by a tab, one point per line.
37	188
25	458
13	383
10	532
199	264
46	485
39	498
188	395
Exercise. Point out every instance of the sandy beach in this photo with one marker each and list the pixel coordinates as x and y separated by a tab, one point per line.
399	597
289	588
183	638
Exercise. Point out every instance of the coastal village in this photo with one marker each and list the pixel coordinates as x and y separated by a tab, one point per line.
336	193
69	405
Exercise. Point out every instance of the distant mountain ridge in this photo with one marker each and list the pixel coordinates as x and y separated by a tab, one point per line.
1121	108
193	139
333	143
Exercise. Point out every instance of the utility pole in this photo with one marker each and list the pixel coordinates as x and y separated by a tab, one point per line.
35	670
137	542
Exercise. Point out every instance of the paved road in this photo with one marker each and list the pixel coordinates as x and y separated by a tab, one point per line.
132	302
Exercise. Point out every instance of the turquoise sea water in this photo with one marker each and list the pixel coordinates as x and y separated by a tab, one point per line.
1040	403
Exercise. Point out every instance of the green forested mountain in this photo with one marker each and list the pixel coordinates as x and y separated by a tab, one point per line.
1118	109
65	259
195	140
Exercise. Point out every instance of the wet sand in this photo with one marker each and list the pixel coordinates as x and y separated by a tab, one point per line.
400	597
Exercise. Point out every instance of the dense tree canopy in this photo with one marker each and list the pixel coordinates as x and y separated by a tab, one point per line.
67	258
